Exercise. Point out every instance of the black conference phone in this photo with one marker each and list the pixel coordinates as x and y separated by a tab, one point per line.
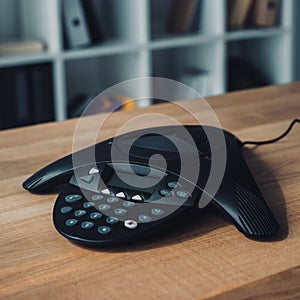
101	202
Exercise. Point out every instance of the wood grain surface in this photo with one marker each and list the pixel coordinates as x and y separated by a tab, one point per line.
205	259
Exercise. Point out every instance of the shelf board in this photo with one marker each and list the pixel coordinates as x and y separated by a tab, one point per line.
25	59
112	47
182	41
255	33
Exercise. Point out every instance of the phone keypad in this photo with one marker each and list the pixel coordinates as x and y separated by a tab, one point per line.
112	214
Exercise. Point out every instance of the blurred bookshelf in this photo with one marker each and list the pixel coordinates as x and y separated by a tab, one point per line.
135	40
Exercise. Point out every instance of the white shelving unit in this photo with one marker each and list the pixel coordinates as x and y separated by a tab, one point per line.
137	45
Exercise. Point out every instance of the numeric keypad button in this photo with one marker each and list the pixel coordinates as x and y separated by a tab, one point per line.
71	222
104	207
128	204
104	230
157	211
97	197
66	209
166	193
95	215
80	213
112	220
144	218
174	185
88	205
120	211
73	198
183	194
87	225
112	200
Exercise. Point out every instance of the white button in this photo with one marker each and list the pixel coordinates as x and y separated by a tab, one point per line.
121	195
93	171
137	197
131	224
106	191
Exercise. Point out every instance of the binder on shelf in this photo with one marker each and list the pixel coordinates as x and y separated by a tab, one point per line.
22	98
94	25
76	27
181	15
41	85
264	13
238	12
195	25
26	95
7	92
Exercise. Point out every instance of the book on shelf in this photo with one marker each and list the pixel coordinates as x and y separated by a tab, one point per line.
75	24
181	15
23	114
26	95
21	46
238	12
41	93
264	13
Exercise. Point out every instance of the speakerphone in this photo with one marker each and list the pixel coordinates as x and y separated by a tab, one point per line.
111	199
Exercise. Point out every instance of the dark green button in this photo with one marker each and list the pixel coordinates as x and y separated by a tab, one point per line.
80	213
88	205
104	229
95	215
157	211
112	220
128	204
183	194
120	211
165	193
66	209
87	225
71	222
97	197
173	185
112	200
144	218
73	198
104	207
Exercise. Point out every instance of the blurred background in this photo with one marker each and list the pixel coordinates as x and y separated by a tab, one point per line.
57	55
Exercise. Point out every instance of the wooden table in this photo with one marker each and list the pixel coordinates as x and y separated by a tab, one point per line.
209	259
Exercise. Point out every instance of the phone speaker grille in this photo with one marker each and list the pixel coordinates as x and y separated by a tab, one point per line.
254	214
